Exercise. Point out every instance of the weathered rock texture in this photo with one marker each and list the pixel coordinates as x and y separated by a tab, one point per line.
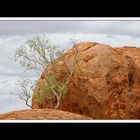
105	83
42	114
132	52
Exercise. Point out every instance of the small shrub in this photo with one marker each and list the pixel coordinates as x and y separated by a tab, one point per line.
53	90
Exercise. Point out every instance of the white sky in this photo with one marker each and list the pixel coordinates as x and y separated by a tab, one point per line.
15	33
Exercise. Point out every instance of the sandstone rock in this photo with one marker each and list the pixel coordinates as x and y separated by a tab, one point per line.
105	83
132	52
42	114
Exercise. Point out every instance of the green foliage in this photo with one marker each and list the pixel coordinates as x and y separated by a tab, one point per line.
35	54
51	85
36	83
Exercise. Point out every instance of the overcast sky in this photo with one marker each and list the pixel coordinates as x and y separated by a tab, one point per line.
15	33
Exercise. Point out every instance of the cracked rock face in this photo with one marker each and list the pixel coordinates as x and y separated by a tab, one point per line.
105	83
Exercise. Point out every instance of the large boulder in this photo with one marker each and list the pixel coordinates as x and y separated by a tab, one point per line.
132	52
105	83
42	114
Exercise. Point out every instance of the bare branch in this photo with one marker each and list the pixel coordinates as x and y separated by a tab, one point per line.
35	55
24	91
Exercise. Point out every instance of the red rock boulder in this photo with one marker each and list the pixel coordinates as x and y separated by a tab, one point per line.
105	83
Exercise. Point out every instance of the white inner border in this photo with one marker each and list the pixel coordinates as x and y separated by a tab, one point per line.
70	19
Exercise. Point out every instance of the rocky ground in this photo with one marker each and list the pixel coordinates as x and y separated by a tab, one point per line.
42	114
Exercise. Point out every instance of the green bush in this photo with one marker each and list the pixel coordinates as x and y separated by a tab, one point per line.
51	85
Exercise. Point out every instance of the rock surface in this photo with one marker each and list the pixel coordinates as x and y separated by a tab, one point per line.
42	114
132	52
105	83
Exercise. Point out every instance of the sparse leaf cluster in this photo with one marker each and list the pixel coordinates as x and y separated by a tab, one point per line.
53	90
35	55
